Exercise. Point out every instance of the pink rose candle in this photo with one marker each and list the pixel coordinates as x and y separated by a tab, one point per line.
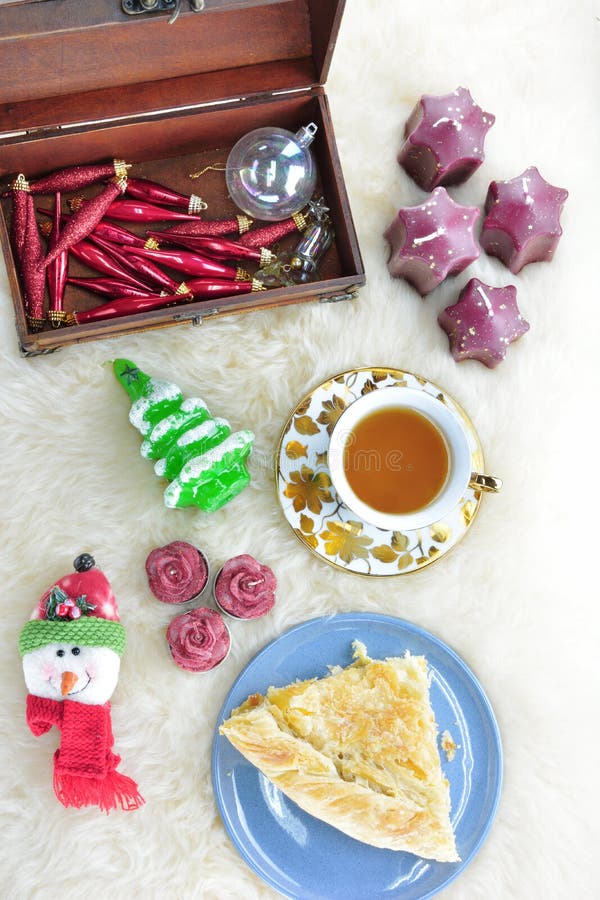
522	223
199	640
177	572
432	241
444	139
244	588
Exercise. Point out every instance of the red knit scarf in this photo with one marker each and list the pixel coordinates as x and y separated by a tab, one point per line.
85	768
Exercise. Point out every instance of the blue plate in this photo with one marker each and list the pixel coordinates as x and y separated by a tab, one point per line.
304	858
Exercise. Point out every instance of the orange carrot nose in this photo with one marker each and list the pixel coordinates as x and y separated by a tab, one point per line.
67	682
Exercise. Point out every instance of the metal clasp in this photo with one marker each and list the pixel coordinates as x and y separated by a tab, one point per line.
136	7
337	298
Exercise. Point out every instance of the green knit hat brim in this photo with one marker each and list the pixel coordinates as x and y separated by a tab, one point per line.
89	631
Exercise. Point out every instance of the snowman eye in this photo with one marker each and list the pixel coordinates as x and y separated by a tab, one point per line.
75	651
60	652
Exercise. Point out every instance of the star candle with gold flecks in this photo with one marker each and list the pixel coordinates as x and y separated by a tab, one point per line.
431	241
444	139
483	322
522	223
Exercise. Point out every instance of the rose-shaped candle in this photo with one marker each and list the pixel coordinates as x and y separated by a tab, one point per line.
244	588
177	572
198	640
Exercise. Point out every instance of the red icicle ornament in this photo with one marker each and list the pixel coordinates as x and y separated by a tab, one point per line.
192	264
97	259
20	189
213	227
57	271
203	289
85	219
207	289
109	287
126	306
108	231
145	269
32	270
217	248
76	177
127	210
265	237
150	191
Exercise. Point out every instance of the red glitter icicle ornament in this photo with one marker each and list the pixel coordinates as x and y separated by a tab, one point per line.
265	237
213	227
217	248
85	219
32	270
192	264
20	189
76	177
109	287
57	271
107	231
97	259
150	191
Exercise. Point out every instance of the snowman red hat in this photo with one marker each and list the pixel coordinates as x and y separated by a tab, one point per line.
71	649
78	609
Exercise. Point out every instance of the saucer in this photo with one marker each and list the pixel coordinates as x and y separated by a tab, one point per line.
320	520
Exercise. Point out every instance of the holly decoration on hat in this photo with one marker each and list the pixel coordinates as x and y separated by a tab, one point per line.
197	453
61	606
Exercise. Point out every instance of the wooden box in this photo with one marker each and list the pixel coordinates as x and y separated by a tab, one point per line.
83	82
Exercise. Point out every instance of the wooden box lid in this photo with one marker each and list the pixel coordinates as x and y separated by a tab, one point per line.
71	61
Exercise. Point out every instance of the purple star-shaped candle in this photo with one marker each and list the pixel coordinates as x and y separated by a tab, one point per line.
483	322
431	241
522	219
444	139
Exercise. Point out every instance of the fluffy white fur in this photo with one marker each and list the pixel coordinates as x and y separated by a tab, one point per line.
517	598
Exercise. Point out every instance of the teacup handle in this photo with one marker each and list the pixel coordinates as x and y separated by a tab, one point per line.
488	483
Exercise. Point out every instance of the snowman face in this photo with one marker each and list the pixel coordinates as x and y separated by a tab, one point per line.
72	672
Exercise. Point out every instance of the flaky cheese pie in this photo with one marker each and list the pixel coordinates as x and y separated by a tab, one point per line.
357	749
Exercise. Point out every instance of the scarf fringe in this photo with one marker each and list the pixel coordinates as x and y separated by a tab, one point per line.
109	792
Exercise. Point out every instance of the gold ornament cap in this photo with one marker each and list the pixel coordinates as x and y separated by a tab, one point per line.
57	317
196	204
120	167
300	221
35	323
20	183
267	257
244	224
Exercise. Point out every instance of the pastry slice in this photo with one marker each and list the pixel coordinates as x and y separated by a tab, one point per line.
357	749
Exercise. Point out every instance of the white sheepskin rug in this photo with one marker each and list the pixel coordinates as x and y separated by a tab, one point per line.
517	598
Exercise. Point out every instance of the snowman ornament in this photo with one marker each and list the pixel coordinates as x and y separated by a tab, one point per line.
71	649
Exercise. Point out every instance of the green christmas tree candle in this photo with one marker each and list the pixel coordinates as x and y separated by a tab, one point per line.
199	455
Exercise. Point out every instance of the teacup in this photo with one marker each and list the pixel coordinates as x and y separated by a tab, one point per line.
400	459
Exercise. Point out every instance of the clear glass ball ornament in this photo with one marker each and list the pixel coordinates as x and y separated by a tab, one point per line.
271	173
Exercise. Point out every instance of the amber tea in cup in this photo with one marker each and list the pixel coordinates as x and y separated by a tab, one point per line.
400	459
396	460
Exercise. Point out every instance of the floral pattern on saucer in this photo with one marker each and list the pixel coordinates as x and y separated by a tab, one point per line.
310	503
